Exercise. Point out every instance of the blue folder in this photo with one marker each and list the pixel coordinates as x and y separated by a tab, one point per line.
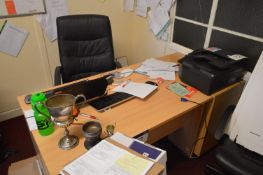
145	150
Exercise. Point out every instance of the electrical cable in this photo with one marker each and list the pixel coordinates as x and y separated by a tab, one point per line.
206	126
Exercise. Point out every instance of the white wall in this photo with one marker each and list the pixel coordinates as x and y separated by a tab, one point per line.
26	73
33	69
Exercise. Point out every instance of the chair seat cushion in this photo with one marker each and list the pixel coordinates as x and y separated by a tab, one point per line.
238	160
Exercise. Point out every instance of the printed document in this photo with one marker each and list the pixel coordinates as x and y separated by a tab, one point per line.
28	6
12	39
128	5
141	8
55	8
166	75
159	20
108	159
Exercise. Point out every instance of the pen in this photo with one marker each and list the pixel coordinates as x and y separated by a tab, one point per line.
89	116
125	84
3	26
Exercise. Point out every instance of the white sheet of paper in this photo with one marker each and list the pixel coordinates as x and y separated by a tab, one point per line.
166	4
28	6
122	139
140	90
128	5
55	8
158	20
30	119
166	75
153	64
153	3
12	39
103	159
141	8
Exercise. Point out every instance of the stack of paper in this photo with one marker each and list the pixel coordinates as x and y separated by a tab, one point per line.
106	158
158	69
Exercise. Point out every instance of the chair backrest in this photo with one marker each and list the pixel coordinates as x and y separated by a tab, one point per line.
85	46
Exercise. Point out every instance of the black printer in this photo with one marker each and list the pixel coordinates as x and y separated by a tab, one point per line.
212	69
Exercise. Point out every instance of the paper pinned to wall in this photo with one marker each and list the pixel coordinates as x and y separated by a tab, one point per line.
29	6
167	4
21	7
12	39
55	8
153	3
141	8
128	5
3	9
159	20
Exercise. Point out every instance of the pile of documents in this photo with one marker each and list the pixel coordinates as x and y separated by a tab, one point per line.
107	158
158	69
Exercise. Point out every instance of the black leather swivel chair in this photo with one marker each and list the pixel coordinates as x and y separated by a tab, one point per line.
233	158
85	47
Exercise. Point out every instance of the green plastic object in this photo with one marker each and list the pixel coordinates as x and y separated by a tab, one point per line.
43	119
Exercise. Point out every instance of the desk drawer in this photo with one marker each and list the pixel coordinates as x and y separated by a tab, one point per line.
188	123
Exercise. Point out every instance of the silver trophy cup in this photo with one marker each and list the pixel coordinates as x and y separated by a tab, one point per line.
61	108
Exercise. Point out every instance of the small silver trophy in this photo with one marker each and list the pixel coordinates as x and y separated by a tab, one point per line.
61	107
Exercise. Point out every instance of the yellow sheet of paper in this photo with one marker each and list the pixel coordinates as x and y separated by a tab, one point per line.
134	165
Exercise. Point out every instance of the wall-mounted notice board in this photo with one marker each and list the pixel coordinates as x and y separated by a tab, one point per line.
9	8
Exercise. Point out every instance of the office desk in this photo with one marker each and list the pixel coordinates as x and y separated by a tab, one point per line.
160	114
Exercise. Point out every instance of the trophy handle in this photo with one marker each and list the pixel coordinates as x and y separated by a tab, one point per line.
80	96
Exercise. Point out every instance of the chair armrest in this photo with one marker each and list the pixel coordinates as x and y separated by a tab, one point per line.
221	126
57	76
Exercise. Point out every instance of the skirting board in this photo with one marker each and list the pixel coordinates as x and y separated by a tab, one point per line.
10	114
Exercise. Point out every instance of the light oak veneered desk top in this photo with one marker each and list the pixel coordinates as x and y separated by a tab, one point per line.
131	118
